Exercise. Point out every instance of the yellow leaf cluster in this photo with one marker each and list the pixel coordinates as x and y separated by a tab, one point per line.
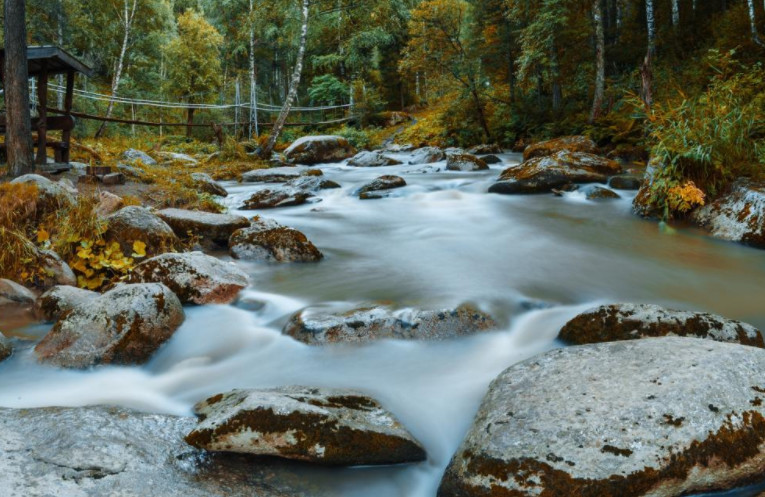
686	197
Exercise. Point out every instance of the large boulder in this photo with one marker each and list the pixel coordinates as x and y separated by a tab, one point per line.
206	184
108	204
380	186
563	144
609	323
59	300
125	325
377	323
51	195
738	215
131	224
55	269
268	241
318	425
272	175
107	451
319	149
427	155
207	225
196	278
133	155
6	347
13	294
543	174
372	159
465	162
273	198
635	418
486	149
311	184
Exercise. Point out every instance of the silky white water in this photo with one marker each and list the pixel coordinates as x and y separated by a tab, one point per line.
532	262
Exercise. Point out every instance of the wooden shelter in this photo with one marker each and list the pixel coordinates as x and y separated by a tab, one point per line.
44	62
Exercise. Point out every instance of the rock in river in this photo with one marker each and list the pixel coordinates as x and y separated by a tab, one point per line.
609	323
215	227
319	425
427	155
662	416
272	175
206	184
566	143
268	241
311	150
13	294
196	278
377	323
738	216
382	184
59	300
372	159
276	197
465	162
123	326
133	223
601	193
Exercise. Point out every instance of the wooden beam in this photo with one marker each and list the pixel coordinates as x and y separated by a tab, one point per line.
42	108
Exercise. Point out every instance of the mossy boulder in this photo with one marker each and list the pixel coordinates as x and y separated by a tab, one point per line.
206	184
610	323
6	348
563	144
312	184
486	149
465	162
372	159
131	224
13	294
427	155
125	325
317	425
311	150
273	198
268	241
376	188
378	323
196	278
206	225
626	182
661	416
272	175
543	174
59	300
491	159
601	193
738	215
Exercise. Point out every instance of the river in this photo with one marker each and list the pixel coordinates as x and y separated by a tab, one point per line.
532	262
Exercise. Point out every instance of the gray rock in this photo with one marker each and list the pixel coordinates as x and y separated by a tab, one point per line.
311	184
563	144
382	184
113	179
372	159
57	272
108	204
133	155
51	195
6	348
207	225
206	184
133	223
176	157
194	277
543	174
491	159
319	149
125	325
427	155
273	198
486	149
103	451
601	193
610	323
268	241
13	294
642	417
131	171
465	162
378	323
626	182
272	175
319	425
738	215
59	300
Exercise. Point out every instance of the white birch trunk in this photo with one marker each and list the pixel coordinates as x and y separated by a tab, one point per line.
753	24
675	13
600	63
651	25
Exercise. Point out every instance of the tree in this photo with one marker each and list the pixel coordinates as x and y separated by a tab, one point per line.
17	119
600	48
753	23
195	54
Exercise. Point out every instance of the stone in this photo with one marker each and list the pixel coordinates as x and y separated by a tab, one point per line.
206	184
317	425
207	225
383	183
311	184
268	241
634	418
6	348
311	150
276	197
133	155
272	175
113	179
626	182
59	300
196	278
108	204
134	223
563	144
486	149
378	323
56	270
133	172
491	159
186	159
13	294
427	155
125	325
108	451
372	159
51	195
610	323
542	174
600	193
738	215
465	162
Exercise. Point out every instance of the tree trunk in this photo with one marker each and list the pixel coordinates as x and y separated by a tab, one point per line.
651	26
18	126
675	14
296	75
646	73
127	23
600	61
753	24
253	80
481	114
189	121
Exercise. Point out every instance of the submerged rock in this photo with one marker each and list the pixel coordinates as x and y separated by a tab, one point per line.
465	162
6	347
196	278
319	425
738	216
427	155
491	159
542	174
59	300
206	184
311	150
377	323
276	197
215	227
643	417
268	241
382	184
131	224
13	294
609	323
125	325
372	159
563	144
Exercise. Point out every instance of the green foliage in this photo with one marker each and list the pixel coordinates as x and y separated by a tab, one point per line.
360	138
328	90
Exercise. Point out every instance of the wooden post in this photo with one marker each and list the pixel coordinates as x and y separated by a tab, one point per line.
66	136
42	102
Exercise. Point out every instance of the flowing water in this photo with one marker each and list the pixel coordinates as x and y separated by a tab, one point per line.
533	262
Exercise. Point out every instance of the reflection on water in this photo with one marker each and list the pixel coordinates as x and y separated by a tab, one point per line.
531	261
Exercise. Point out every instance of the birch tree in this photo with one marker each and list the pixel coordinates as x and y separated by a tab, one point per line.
753	23
675	13
600	62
